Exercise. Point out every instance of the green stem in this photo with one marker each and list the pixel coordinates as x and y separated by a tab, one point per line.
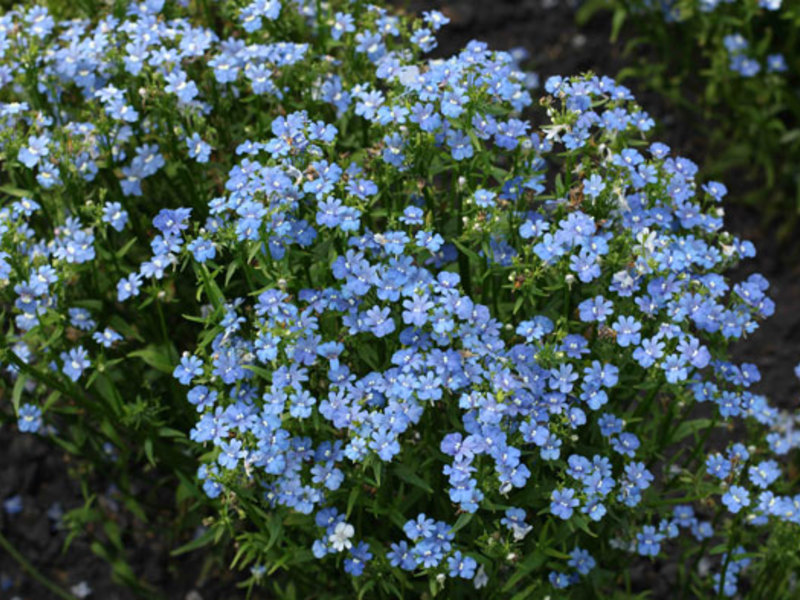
32	571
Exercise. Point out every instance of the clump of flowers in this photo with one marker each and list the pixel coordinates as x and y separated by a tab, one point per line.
736	61
428	343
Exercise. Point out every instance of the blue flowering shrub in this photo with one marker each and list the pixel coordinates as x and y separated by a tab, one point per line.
734	64
412	342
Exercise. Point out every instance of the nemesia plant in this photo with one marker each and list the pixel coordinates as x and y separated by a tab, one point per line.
431	345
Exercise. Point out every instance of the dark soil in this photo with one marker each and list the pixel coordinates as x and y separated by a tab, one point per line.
38	473
557	46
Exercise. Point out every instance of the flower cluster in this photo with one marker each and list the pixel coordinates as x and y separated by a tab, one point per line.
417	328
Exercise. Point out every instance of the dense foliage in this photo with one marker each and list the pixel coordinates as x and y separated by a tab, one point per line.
410	342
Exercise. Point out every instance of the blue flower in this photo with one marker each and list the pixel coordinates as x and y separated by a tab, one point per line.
171	222
649	541
178	84
29	418
13	505
81	319
595	309
230	453
460	145
115	215
40	22
581	561
359	556
190	367
342	23
379	321
453	102
106	338
736	498
426	116
535	329
718	466
461	566
252	14
593	186
36	149
371	44
128	287
649	352
424	39
198	149
627	329
368	103
563	503
76	361
764	473
400	556
202	249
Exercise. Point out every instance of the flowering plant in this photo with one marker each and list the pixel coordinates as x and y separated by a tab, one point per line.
430	345
729	65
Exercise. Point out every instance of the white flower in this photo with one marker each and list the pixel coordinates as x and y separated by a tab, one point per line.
647	242
520	531
340	538
480	579
81	590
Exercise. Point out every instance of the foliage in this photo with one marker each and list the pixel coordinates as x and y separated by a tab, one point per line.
412	344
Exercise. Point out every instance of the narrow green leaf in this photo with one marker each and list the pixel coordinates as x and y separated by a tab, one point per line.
407	474
462	521
202	540
16	393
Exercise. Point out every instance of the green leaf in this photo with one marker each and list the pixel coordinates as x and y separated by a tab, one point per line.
351	500
526	593
407	474
552	552
275	527
588	9
156	357
265	374
124	250
369	585
51	399
367	353
16	393
583	525
168	432
148	451
469	253
617	23
113	533
17	192
187	489
198	542
210	286
688	428
108	392
462	521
